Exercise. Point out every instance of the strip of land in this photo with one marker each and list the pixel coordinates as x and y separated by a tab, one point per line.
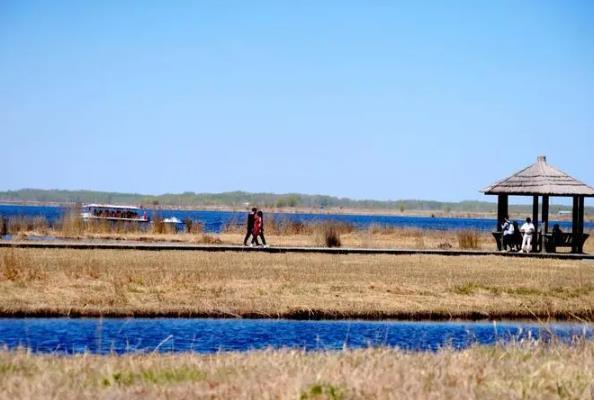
161	246
529	371
116	283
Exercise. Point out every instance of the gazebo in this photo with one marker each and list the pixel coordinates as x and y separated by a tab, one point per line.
543	180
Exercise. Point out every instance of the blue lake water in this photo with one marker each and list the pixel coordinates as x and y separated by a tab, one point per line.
214	221
69	336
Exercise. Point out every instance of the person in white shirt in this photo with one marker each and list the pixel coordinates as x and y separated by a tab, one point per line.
528	231
508	233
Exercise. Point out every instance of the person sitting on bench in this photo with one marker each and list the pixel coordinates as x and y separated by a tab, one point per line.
517	237
508	234
528	230
557	234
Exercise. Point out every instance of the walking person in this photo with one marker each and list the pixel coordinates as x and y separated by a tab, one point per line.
528	230
260	215
250	225
257	229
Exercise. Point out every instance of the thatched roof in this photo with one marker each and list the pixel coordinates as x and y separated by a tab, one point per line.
540	179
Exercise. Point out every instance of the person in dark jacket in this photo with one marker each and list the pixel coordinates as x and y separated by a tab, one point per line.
517	237
250	225
557	234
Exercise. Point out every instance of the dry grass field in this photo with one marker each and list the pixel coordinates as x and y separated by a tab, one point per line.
169	283
520	371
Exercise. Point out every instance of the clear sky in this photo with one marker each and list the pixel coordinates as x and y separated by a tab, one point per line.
366	99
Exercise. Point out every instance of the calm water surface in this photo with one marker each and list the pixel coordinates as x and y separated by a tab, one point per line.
70	336
214	221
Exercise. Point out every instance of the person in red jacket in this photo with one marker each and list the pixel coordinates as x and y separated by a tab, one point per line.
258	230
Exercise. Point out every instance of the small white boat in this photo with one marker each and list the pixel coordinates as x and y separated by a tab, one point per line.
172	220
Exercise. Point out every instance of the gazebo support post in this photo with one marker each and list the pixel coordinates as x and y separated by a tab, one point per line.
575	212
535	222
545	220
581	224
502	209
502	206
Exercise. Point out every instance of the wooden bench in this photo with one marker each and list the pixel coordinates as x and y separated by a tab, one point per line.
516	242
563	240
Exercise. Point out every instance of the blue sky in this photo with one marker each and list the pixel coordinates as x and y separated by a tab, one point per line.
368	99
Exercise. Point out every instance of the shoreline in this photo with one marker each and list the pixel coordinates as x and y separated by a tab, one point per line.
586	317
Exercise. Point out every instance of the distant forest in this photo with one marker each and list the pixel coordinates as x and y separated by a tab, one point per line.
239	200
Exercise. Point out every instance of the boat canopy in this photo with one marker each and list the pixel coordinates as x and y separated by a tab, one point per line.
111	206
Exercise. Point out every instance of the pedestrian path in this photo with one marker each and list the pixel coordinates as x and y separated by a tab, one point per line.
167	246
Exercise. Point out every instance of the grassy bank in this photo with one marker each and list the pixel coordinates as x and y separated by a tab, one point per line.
121	283
528	371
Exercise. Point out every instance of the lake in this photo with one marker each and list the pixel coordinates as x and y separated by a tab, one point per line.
102	336
214	221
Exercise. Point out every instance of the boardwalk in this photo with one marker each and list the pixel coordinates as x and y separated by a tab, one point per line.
87	245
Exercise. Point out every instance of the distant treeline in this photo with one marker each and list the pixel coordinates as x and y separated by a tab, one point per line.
240	200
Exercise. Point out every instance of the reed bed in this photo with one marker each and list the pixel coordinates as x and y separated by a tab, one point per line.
282	226
516	371
468	239
71	226
279	231
38	282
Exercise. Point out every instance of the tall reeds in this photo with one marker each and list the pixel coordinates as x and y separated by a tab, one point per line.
160	227
284	226
328	233
21	224
194	227
3	226
468	239
71	224
19	267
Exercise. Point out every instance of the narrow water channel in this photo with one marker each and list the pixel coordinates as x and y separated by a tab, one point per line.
120	336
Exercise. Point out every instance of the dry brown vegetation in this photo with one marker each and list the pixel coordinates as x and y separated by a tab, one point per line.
279	232
468	239
128	282
520	371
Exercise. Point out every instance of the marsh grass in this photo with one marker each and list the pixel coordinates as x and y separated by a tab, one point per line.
193	227
19	268
20	224
159	227
283	226
71	226
279	231
526	370
468	239
71	223
127	282
328	233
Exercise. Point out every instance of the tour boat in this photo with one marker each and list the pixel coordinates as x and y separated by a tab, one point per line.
114	213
